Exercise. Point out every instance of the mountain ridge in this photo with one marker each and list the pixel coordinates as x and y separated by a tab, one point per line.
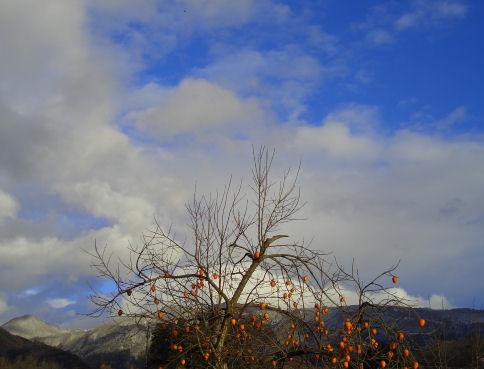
13	347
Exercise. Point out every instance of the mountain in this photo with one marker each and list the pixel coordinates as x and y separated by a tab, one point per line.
121	343
29	326
13	347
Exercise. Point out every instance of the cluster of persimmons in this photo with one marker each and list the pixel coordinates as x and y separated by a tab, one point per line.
354	343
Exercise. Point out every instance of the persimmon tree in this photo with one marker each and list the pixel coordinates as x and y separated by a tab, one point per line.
241	293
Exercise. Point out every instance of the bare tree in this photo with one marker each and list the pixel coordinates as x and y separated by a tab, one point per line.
240	294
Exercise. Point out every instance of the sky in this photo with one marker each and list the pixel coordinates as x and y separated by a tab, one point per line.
111	111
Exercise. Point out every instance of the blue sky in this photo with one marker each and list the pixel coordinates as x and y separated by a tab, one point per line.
113	110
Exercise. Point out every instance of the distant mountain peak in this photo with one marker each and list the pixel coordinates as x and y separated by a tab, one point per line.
24	318
29	326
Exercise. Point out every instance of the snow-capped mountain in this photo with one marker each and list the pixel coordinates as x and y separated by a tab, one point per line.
121	341
120	335
29	326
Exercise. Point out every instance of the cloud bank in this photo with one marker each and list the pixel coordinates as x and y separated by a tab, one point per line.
92	152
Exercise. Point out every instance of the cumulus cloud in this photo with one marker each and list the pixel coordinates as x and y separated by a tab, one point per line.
195	106
335	135
393	296
57	142
102	201
65	154
337	140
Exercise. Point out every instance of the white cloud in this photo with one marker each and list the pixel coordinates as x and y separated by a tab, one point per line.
439	302
359	117
57	140
450	9
379	36
59	303
428	12
455	117
190	14
31	292
195	106
168	24
411	146
336	137
8	205
104	202
280	77
393	295
337	140
410	196
408	20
